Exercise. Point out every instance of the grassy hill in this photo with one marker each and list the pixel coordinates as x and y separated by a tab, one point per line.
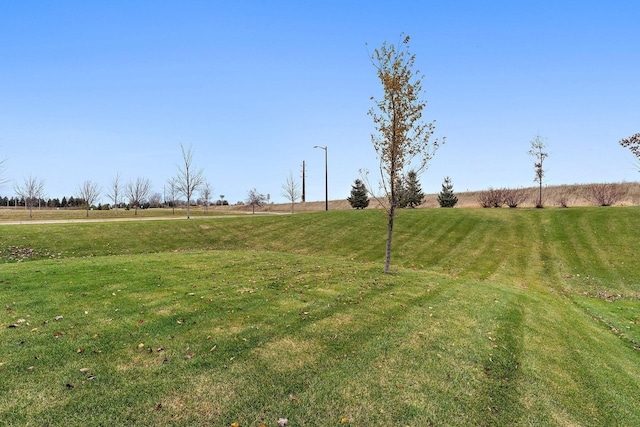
491	317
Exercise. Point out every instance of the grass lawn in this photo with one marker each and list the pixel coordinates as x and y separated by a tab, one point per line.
491	317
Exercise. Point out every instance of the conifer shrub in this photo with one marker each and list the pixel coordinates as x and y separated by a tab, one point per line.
446	198
358	198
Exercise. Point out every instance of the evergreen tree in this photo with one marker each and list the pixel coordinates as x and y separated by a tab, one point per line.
446	198
358	198
412	194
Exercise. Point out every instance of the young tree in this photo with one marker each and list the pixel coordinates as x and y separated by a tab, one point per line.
413	194
32	190
205	193
188	180
633	144
115	192
255	199
539	155
291	190
89	192
401	135
446	198
137	192
358	199
173	194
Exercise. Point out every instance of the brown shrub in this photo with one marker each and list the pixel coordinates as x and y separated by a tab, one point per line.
492	198
604	194
514	196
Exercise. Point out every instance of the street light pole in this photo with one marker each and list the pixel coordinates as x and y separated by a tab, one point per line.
326	176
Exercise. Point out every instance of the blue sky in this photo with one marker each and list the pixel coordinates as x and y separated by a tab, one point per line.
92	88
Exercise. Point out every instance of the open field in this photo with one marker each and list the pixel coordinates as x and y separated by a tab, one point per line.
574	195
492	317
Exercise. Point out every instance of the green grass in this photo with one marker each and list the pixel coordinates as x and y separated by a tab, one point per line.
490	317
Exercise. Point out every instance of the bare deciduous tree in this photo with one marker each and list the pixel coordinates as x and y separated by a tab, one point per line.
255	199
115	192
137	192
89	192
539	155
32	190
173	193
291	190
205	193
155	200
401	135
188	180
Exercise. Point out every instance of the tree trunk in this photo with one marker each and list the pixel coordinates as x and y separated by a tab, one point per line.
387	260
540	195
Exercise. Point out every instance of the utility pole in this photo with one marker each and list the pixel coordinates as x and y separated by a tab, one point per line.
326	176
303	185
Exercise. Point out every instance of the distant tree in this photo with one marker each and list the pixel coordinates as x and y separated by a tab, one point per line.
155	200
291	190
401	134
205	192
172	188
31	191
89	192
539	155
137	192
633	144
359	198
64	203
115	191
255	199
188	180
446	198
413	195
